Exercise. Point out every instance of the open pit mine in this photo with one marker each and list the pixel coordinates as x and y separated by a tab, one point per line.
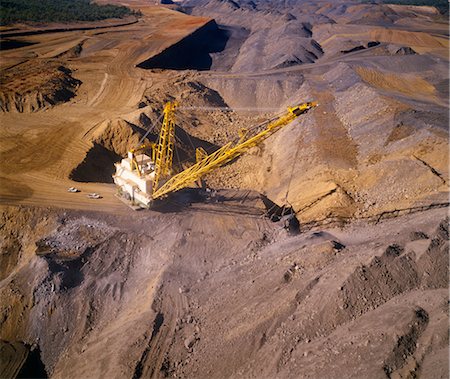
226	189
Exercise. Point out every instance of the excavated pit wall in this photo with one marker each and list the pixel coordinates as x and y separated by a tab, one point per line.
192	52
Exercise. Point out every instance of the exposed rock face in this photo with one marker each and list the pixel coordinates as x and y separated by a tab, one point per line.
192	52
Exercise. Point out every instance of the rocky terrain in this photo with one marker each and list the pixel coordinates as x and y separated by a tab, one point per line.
214	286
42	85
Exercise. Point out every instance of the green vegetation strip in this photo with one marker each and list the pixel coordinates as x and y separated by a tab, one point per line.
12	11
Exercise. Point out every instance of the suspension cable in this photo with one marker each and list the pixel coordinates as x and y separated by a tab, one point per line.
292	173
150	129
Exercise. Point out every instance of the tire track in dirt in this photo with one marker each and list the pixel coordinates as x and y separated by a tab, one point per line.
101	90
171	305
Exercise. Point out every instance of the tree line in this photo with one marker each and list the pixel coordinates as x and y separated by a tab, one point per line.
441	5
13	11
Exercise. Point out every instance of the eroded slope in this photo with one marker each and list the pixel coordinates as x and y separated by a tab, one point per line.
176	297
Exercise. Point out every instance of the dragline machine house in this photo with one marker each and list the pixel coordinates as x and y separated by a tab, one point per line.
142	178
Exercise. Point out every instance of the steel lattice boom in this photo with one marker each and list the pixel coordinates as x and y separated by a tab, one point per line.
138	177
227	153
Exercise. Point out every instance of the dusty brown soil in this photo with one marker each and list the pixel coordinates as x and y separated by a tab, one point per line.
216	292
206	286
42	84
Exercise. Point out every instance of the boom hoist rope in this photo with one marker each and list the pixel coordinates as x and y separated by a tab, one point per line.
152	180
228	152
141	146
141	141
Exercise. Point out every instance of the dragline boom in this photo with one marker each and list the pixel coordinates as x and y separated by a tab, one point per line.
142	178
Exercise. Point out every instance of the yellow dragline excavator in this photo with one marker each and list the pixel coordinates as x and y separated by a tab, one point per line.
143	178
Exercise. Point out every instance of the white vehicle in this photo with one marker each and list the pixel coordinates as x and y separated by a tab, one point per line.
94	196
73	190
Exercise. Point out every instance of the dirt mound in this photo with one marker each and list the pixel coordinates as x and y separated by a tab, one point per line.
118	136
405	51
110	142
259	47
379	14
58	275
261	51
408	38
262	94
189	92
410	85
369	175
203	116
30	87
73	52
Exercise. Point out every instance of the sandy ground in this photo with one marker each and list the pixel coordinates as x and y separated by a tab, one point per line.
216	293
209	287
40	146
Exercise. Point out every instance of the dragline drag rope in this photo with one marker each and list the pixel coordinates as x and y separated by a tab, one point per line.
288	187
292	173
